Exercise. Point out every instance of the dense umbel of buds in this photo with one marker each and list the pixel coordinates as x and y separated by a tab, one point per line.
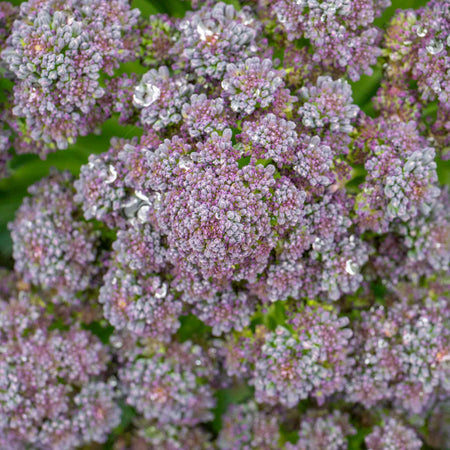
246	426
392	434
402	355
51	389
58	52
170	383
323	430
308	356
52	247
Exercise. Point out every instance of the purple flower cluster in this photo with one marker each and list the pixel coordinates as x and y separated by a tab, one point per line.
58	54
266	266
401	355
225	311
161	98
173	437
52	247
392	434
141	304
247	426
202	116
341	32
271	138
418	248
50	392
7	15
221	224
158	34
308	356
401	178
213	37
416	47
251	84
329	430
169	384
328	104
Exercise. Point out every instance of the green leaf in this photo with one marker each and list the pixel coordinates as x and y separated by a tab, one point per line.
443	171
365	88
148	8
356	441
191	327
102	329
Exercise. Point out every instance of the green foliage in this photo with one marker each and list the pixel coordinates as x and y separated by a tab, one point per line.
101	329
356	441
191	328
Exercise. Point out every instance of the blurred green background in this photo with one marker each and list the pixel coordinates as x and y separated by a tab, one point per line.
26	169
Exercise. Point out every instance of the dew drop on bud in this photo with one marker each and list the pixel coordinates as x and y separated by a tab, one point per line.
203	32
351	268
145	96
112	175
435	47
162	291
184	162
142	214
409	166
421	31
141	196
152	93
116	342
